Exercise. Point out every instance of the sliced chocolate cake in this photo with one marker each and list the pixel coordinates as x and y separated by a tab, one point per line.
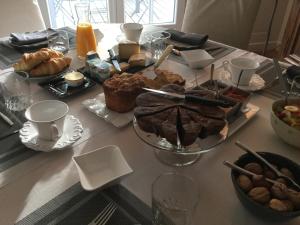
178	120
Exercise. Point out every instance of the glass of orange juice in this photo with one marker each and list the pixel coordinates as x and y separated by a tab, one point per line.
85	36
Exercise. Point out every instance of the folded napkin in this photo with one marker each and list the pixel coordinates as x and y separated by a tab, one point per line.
293	71
188	38
31	40
32	37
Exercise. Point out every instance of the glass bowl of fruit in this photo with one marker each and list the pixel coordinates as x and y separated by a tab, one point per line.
285	120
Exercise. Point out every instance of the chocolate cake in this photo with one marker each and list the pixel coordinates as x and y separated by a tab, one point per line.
177	120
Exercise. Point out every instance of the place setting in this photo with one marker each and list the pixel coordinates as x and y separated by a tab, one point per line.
49	127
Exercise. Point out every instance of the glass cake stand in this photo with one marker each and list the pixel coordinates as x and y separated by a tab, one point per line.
178	155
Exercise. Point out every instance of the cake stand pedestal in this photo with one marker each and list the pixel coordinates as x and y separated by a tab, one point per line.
178	155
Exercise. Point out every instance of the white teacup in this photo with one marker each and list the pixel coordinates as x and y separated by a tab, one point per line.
48	117
241	69
132	31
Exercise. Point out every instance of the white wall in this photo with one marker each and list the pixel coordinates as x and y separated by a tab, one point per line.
259	33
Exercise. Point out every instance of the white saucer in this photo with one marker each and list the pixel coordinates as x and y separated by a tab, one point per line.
256	83
72	132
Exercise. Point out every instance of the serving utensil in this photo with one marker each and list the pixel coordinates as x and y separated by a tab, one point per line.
277	172
114	60
192	98
6	119
212	68
163	56
240	75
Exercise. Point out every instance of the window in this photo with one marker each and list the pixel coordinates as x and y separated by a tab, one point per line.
60	13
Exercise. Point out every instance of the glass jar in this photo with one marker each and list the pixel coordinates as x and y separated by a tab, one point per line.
85	36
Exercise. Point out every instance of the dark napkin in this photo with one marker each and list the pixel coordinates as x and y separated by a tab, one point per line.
32	37
188	38
293	71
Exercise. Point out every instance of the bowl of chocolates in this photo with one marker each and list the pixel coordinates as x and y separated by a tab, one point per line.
265	194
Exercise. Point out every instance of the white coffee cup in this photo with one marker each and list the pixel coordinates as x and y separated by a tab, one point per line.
132	31
241	69
48	118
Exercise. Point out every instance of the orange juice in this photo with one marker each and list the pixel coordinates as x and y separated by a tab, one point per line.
85	39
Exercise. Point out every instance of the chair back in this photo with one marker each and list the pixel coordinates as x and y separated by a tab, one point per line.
227	21
20	16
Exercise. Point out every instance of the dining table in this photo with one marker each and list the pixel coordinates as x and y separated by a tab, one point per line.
32	183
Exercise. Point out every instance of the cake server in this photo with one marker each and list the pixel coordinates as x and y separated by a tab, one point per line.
114	60
192	98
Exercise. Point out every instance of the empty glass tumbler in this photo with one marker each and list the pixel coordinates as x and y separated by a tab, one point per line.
174	199
15	90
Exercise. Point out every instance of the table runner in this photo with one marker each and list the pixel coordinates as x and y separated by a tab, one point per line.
9	55
77	206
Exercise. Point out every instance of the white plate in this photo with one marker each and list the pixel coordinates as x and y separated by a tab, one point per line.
256	83
97	105
101	166
71	133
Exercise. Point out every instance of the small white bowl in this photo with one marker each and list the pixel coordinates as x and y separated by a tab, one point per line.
287	133
98	167
74	79
197	58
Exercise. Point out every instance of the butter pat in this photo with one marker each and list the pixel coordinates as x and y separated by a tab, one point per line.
74	79
128	49
137	60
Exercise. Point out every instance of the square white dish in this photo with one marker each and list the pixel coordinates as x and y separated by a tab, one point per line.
98	167
97	105
197	58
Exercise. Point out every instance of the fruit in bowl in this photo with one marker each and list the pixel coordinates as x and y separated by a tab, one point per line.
285	120
278	201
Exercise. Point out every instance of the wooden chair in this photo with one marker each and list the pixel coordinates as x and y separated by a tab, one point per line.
226	21
20	16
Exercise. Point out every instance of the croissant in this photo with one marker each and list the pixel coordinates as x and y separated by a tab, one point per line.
30	60
52	53
50	67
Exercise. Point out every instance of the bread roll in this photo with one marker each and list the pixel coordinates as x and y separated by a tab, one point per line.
30	60
50	67
52	53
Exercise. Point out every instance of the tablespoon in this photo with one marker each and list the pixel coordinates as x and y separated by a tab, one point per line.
277	172
247	172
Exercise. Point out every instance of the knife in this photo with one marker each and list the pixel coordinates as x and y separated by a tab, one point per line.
114	60
192	98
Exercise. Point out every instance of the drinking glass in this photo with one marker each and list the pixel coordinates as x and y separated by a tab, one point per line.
174	199
159	43
60	42
295	86
15	90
